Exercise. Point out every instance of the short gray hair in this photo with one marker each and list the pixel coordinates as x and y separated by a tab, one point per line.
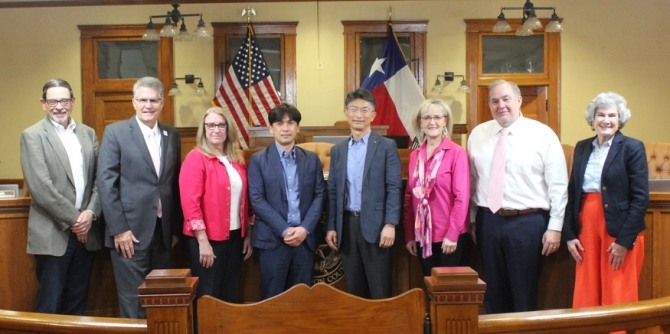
500	82
149	82
608	99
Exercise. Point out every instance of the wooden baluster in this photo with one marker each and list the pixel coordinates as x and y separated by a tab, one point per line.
456	294
167	295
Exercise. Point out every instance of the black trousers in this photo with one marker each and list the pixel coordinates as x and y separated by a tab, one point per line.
63	280
439	259
367	267
511	257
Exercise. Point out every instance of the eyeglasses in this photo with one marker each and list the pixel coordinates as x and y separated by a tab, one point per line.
435	118
212	126
64	102
153	102
356	110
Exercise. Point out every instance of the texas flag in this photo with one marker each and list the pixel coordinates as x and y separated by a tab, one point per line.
397	93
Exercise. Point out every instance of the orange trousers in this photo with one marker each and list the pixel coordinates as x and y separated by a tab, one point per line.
596	283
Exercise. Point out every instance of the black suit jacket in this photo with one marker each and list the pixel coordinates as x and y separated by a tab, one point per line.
624	188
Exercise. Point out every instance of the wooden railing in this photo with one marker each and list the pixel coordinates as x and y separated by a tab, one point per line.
631	317
29	322
455	294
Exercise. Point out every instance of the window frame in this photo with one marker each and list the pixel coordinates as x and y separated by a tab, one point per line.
285	31
355	30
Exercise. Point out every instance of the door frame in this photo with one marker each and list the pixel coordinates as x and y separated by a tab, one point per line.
91	85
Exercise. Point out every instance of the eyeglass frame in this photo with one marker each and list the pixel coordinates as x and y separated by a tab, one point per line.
428	118
52	103
144	102
361	111
211	126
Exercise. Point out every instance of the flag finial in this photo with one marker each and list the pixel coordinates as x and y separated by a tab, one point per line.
249	11
390	13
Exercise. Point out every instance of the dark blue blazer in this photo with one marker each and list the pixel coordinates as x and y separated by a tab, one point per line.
267	195
381	194
624	188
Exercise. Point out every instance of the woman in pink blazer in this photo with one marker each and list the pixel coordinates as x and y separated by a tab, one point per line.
438	191
213	188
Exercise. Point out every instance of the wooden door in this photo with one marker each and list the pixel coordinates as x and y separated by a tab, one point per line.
113	57
533	104
492	56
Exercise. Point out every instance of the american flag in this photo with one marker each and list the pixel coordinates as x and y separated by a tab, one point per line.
248	102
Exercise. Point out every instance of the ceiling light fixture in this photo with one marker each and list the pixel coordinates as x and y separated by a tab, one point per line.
529	20
172	19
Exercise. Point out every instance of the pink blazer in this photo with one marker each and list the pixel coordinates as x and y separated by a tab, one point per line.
450	198
204	186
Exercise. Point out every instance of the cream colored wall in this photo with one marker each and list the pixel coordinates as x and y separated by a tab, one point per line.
614	45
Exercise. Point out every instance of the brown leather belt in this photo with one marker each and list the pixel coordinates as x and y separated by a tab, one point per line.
509	213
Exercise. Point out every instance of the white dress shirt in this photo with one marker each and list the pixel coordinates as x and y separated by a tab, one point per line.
235	193
535	171
75	156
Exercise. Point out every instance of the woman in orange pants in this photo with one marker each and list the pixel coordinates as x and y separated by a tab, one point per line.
607	201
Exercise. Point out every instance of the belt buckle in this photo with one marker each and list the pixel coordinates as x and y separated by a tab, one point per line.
354	213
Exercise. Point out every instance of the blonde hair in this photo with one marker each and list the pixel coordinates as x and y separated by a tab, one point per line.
231	146
446	111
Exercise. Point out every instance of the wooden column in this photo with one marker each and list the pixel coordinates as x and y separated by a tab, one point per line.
167	295
456	294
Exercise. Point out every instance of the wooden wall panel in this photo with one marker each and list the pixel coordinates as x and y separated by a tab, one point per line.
18	284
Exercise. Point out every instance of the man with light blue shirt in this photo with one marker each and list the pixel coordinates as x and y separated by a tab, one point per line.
286	192
364	189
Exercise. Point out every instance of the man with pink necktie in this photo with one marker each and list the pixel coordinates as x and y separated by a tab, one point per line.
519	180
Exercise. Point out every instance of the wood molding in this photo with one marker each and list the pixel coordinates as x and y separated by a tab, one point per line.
72	3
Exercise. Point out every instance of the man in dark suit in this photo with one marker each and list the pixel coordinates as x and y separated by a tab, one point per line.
364	187
58	158
286	191
138	171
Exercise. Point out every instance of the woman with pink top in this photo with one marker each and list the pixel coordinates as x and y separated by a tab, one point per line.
213	188
438	191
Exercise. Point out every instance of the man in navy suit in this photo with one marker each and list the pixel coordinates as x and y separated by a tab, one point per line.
364	189
286	191
138	172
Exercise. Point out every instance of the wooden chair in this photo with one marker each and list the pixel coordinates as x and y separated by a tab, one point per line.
322	150
319	309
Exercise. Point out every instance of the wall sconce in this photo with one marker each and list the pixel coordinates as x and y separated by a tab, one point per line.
449	76
529	20
169	29
189	79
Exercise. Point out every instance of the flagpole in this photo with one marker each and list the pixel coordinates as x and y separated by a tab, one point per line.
249	78
250	31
